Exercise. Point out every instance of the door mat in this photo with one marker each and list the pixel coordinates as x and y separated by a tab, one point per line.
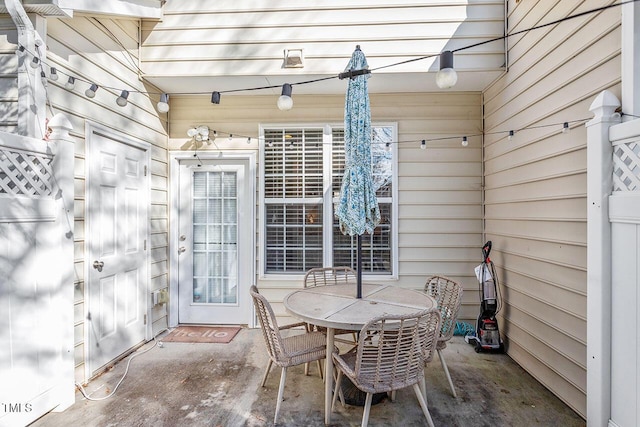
206	334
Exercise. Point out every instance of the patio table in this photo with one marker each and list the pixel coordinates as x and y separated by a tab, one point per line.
336	307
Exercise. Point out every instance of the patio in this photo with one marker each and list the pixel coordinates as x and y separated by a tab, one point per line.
182	384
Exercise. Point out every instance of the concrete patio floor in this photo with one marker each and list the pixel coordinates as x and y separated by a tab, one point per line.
184	384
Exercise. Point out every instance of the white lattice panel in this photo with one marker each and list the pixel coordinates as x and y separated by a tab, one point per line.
24	173
626	167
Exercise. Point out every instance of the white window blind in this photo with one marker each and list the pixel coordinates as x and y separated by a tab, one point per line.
296	192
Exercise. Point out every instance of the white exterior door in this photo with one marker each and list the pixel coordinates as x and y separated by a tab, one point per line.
117	217
215	261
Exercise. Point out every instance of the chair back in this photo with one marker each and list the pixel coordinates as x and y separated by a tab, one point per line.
269	325
448	295
391	350
329	276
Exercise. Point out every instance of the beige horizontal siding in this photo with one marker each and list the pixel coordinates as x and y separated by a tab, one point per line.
248	37
440	198
535	183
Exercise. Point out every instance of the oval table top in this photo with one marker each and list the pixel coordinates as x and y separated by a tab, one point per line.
336	306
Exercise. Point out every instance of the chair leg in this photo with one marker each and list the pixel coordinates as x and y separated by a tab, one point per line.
367	409
320	370
423	404
446	371
283	377
423	388
266	373
335	391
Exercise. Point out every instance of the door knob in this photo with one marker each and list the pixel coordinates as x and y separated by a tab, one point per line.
98	265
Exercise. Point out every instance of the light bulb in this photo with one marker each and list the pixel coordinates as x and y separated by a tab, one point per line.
511	133
230	137
387	146
423	145
163	104
447	76
285	102
122	99
53	75
192	132
70	84
35	62
91	92
20	50
565	127
43	77
248	140
465	142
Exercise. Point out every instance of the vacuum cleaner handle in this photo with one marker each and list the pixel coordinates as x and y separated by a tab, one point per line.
485	251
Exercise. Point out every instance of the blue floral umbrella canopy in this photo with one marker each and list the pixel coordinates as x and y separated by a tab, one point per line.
357	209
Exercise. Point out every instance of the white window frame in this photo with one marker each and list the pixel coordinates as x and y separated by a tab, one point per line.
327	207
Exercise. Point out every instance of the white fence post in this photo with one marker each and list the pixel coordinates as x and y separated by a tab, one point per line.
599	185
64	196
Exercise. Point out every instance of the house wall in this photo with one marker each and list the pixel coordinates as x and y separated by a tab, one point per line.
440	203
93	48
245	39
535	183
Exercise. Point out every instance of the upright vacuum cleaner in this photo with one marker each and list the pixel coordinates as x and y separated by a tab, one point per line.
487	333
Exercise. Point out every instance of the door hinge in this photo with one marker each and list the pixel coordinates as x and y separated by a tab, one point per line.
145	319
145	171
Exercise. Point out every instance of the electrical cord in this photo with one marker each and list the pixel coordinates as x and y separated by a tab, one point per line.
96	399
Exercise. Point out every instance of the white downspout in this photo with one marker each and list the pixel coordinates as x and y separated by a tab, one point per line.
31	92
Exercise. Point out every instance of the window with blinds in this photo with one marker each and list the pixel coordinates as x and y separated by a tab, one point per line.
302	170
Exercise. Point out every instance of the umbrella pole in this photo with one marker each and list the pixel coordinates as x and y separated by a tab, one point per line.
359	266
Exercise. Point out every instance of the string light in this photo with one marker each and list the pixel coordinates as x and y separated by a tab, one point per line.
71	83
43	78
511	133
249	140
285	102
423	145
565	127
122	99
465	141
446	63
387	146
163	104
91	92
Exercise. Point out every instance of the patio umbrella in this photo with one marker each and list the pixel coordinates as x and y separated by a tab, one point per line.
357	209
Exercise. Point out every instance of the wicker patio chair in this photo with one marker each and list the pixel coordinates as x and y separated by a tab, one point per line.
323	276
448	295
286	351
390	355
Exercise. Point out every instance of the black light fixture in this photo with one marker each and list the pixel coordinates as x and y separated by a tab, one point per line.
215	97
447	76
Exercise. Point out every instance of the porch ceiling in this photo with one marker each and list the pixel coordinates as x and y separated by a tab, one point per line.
473	81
